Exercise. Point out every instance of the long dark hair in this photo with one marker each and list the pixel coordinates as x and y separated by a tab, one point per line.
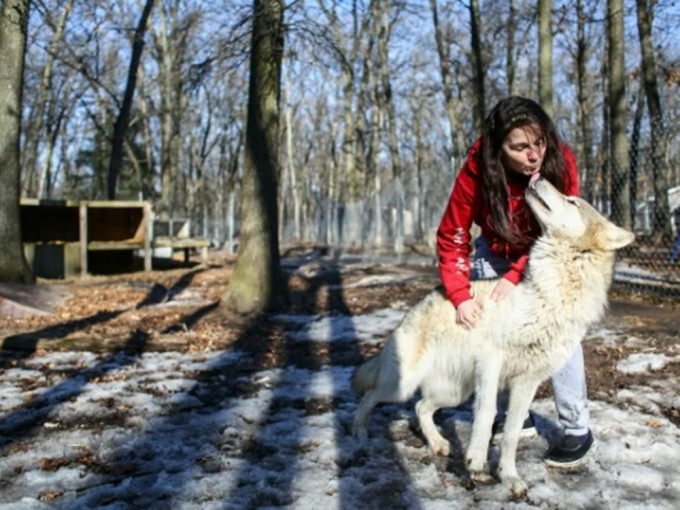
509	113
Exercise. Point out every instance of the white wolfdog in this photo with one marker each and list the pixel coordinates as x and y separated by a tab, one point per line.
518	342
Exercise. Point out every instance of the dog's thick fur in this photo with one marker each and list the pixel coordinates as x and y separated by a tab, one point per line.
518	342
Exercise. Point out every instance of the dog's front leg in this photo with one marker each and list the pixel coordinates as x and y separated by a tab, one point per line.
487	373
521	396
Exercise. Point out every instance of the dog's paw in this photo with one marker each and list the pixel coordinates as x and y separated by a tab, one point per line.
440	447
518	488
481	477
475	463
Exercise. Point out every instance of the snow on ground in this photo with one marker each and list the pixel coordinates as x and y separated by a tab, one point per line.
166	430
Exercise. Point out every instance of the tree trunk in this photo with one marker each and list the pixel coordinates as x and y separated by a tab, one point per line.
383	34
290	165
634	156
256	284
45	180
446	69
545	55
618	115
510	50
478	65
349	180
659	165
120	127
171	41
13	28
583	91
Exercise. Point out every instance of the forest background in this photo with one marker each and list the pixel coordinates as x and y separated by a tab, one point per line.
378	102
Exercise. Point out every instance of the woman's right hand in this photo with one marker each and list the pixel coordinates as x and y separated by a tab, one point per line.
468	313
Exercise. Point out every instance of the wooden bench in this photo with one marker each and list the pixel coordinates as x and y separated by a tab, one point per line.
176	234
63	238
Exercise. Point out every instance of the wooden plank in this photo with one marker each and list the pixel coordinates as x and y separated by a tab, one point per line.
115	245
181	243
82	211
148	219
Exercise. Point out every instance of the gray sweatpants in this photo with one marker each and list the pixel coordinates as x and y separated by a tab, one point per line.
569	384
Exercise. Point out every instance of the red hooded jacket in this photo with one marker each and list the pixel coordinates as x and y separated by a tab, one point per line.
466	205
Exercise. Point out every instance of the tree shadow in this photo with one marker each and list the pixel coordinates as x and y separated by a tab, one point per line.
196	425
24	421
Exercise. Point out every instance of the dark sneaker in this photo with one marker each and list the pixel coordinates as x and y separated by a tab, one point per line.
570	451
528	429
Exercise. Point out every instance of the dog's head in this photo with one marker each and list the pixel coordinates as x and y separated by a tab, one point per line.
573	220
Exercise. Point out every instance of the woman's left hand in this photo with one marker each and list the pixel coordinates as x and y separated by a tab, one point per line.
502	289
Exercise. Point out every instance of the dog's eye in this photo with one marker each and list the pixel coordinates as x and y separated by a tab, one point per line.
573	201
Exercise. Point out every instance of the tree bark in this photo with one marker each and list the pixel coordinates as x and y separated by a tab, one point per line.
120	127
13	29
662	217
618	108
256	284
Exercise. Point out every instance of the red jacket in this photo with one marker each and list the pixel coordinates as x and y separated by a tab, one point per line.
466	205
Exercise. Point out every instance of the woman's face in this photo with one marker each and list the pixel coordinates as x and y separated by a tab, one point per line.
523	149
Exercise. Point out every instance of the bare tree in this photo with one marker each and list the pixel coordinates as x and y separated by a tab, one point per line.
662	223
13	28
256	283
120	127
348	183
47	117
618	109
171	37
545	55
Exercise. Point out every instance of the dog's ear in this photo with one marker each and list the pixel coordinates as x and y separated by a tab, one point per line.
617	237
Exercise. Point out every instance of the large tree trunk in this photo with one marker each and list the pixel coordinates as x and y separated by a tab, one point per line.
120	127
545	55
256	284
662	220
13	27
618	108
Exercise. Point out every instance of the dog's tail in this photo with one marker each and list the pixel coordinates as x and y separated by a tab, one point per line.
365	377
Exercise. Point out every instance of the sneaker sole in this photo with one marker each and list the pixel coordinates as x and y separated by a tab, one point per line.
525	434
573	463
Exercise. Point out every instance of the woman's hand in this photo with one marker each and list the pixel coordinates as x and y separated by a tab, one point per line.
502	289
468	313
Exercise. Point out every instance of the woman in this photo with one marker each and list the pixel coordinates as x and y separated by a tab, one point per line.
519	139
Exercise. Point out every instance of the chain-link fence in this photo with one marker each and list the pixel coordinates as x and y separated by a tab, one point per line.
651	265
